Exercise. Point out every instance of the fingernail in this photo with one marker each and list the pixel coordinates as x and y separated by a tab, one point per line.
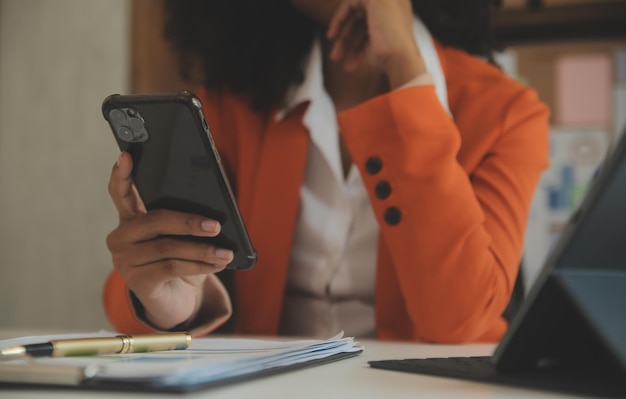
210	225
119	160
223	253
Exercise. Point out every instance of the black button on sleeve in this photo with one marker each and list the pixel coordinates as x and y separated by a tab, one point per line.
382	190
393	216
373	165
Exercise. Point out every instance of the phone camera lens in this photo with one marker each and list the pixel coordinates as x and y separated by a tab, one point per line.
136	124
117	116
125	134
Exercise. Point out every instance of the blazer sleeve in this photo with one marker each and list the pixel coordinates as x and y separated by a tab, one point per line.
455	215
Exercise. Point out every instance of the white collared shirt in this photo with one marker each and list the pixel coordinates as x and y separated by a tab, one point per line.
331	280
330	286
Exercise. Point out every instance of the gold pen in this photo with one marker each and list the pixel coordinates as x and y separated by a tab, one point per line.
100	346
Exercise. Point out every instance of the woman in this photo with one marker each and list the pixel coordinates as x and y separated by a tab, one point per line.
385	175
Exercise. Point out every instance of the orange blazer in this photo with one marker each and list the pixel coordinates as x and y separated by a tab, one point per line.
452	229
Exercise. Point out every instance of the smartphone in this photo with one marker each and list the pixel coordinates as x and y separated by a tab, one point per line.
176	165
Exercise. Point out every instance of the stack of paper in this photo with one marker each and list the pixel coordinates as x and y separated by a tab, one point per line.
208	362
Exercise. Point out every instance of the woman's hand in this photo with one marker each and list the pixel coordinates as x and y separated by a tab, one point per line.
166	274
380	31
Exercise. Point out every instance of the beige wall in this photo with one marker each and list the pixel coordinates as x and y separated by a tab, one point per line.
58	60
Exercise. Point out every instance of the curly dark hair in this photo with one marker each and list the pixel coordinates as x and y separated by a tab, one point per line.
257	47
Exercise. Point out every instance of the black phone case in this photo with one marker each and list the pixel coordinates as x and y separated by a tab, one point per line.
176	165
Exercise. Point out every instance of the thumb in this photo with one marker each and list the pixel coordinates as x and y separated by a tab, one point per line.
122	189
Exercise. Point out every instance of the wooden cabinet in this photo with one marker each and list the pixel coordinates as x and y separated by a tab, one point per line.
532	21
154	68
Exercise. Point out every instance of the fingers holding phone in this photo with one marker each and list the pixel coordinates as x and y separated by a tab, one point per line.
154	237
163	272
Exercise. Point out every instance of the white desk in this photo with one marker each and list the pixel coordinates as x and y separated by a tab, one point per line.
350	378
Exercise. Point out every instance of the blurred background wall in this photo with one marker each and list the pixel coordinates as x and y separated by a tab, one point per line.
58	60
